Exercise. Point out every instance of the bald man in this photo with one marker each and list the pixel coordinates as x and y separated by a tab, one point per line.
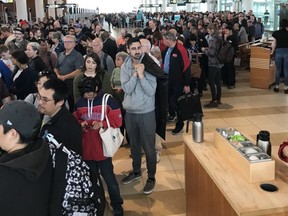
107	63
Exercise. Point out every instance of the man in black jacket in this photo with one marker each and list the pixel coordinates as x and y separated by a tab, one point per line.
177	66
65	129
25	163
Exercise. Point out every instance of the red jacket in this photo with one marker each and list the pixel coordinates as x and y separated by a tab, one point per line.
91	140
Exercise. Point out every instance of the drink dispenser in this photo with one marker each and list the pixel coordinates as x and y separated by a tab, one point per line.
263	141
197	128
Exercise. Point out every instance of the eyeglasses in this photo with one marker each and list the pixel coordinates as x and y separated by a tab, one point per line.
69	42
43	99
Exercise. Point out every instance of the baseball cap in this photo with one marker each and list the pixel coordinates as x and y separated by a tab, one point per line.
18	30
23	22
21	116
77	25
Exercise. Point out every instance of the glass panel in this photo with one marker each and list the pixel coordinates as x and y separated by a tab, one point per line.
265	11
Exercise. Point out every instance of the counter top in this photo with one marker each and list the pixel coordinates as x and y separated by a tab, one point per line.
245	198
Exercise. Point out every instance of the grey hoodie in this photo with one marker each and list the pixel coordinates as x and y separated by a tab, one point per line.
139	93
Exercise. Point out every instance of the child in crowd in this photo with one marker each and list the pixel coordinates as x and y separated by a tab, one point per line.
115	77
88	113
196	70
118	93
6	66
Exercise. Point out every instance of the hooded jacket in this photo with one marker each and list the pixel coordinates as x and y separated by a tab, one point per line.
89	111
25	181
139	95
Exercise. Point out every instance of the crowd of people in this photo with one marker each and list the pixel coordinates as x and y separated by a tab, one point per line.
48	63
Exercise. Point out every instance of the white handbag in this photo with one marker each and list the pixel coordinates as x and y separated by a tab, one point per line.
111	137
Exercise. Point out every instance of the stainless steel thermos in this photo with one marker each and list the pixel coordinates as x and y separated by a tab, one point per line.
197	128
263	141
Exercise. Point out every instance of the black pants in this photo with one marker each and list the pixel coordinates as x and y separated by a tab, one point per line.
228	73
174	92
214	80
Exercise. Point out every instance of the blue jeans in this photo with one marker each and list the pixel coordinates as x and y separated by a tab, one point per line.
141	129
281	61
107	172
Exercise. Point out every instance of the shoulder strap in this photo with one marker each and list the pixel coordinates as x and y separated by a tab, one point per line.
104	108
50	138
49	59
105	61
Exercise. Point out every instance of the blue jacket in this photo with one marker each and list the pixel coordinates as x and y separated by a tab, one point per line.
6	74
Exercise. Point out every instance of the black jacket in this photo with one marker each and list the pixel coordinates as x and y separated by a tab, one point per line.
179	66
25	181
66	130
161	96
110	47
23	85
36	65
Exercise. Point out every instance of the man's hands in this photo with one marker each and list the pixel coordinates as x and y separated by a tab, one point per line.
186	89
139	70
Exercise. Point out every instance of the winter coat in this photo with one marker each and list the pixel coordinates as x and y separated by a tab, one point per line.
25	181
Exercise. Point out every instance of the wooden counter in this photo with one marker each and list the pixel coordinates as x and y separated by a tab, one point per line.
262	74
215	188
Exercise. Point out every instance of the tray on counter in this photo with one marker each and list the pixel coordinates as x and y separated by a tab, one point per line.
240	142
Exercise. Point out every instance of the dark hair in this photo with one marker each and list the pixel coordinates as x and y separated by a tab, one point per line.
244	24
60	88
3	48
71	28
95	58
157	35
229	27
104	35
20	56
193	37
89	84
132	40
85	38
284	23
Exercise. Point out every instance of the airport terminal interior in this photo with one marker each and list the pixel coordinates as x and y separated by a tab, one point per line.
247	109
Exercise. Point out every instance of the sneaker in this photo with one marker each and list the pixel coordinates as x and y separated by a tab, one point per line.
285	91
211	104
149	187
171	118
219	102
177	131
131	177
118	211
231	87
276	89
158	156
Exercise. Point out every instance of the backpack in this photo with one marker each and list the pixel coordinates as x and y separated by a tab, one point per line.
226	53
82	195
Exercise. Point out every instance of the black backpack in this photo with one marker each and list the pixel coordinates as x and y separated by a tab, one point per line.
226	52
84	192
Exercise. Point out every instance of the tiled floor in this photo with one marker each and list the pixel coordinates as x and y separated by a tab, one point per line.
247	109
